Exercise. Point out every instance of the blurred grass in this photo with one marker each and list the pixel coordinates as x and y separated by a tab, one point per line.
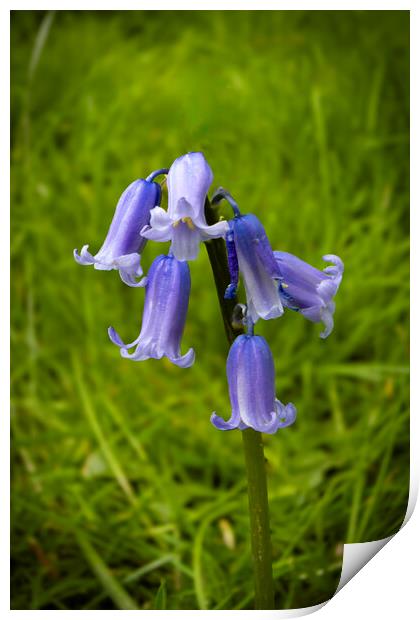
123	494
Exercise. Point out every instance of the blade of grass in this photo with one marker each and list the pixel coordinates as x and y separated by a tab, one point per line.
109	455
112	587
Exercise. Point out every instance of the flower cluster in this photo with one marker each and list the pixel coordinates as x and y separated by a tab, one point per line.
273	280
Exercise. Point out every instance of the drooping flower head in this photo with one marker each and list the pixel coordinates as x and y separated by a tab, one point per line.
308	290
123	244
250	373
249	249
168	286
189	179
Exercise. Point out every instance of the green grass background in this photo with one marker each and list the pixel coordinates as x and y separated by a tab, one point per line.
123	494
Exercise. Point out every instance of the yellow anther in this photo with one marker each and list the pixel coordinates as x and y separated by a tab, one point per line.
188	221
177	223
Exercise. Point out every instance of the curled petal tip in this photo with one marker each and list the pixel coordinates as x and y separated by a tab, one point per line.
85	257
286	414
338	269
326	332
130	280
328	320
271	426
333	258
114	337
136	355
185	361
224	425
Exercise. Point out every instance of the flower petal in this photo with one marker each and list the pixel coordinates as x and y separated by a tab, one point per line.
168	286
189	179
270	427
140	354
261	292
116	339
214	231
250	373
185	242
308	290
258	268
85	257
155	234
225	425
328	319
185	361
123	243
183	209
286	413
130	280
159	219
327	289
338	268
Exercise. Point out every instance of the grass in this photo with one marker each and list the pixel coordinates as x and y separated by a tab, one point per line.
123	495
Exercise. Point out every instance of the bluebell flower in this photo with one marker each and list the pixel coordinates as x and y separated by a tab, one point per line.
249	249
168	286
250	373
308	290
123	244
189	179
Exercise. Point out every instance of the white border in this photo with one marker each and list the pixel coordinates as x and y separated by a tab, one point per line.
218	5
388	585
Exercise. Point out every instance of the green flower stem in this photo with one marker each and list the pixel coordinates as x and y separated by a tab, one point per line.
259	518
216	250
252	440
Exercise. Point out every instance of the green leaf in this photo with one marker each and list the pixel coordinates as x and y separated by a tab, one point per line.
161	596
